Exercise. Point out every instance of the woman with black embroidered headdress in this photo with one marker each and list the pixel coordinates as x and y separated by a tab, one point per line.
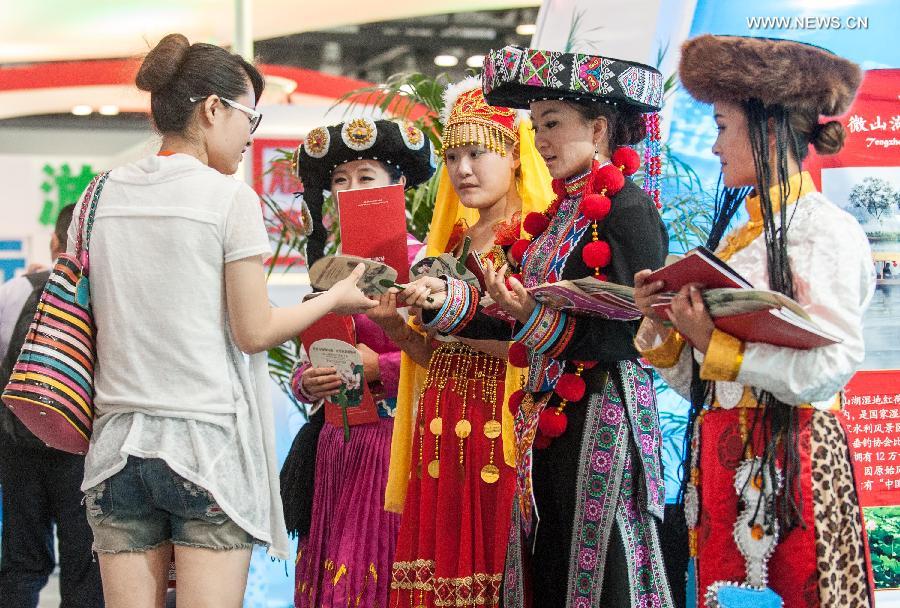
589	496
769	495
347	539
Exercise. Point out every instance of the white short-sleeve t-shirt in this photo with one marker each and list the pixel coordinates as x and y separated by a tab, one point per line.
169	380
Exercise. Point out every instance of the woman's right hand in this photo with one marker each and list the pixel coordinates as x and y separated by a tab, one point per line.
320	382
428	293
646	294
348	299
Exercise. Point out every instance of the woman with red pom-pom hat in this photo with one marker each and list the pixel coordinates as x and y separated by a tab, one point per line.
588	440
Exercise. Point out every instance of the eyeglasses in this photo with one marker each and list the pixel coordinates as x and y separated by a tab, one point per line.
255	116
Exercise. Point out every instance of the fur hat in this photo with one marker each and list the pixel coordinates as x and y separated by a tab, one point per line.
777	72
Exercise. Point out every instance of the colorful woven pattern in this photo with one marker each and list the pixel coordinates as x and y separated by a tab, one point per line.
514	77
51	389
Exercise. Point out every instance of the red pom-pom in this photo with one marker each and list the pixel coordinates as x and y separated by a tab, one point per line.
552	423
609	178
535	223
626	159
596	254
518	355
518	250
570	387
515	400
595	207
542	442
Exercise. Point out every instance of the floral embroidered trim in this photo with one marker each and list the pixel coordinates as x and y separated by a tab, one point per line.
478	589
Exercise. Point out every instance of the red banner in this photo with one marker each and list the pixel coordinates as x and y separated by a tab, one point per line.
872	125
275	180
871	417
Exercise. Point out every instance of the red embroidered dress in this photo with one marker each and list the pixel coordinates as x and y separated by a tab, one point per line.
456	519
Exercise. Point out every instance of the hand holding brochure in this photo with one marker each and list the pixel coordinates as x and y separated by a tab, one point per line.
330	342
751	315
586	296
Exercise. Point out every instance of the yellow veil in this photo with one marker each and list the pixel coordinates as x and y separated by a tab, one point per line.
533	184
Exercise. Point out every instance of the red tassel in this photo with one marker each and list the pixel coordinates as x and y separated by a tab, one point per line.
517	355
542	442
595	207
518	250
515	400
552	422
570	387
610	179
596	254
535	223
627	159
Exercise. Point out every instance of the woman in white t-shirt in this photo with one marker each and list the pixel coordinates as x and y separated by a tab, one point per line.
183	447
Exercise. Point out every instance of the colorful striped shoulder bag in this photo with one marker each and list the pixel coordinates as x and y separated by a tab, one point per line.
51	389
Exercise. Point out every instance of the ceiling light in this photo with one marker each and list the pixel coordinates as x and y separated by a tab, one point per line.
526	29
475	61
109	110
82	110
445	61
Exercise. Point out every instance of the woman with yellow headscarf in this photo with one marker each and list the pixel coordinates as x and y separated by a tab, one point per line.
452	458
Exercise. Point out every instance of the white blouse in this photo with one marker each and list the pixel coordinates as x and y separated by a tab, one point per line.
170	382
834	280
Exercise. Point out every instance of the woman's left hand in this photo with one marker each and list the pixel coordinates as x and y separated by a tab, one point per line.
689	316
516	302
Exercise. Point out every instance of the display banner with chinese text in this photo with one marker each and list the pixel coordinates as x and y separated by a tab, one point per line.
871	416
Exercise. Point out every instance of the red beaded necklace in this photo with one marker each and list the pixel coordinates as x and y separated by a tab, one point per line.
598	186
602	183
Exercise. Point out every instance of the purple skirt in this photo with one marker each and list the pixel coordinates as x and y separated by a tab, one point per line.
347	558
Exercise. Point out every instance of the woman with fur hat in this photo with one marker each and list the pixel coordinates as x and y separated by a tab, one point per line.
451	472
769	497
346	539
590	493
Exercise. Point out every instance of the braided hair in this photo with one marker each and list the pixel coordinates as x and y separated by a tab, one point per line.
778	423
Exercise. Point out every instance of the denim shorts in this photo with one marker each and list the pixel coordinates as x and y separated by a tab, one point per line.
147	504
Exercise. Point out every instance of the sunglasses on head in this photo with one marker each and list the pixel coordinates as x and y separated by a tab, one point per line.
255	116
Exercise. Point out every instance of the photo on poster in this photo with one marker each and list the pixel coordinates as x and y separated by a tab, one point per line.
872	196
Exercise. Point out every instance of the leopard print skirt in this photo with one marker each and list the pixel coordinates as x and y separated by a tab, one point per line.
840	553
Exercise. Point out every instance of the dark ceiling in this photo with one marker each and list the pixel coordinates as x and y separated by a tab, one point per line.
374	51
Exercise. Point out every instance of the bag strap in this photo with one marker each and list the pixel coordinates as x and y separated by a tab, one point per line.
86	217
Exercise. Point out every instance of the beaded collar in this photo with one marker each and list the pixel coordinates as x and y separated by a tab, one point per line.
575	185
